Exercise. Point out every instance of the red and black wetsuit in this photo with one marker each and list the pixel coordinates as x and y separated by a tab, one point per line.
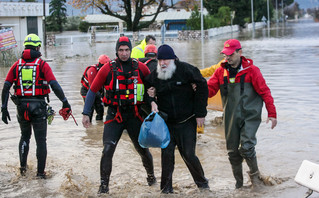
31	77
121	114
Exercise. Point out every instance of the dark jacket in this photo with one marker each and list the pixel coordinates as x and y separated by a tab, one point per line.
150	63
176	96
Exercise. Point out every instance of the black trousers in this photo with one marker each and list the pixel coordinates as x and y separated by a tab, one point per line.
111	136
32	114
183	135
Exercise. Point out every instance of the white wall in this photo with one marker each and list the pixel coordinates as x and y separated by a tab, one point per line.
14	14
19	25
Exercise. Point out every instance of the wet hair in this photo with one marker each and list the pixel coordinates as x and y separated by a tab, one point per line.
148	37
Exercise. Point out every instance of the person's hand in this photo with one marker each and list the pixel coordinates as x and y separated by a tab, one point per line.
151	92
273	122
5	115
86	121
66	105
154	107
200	122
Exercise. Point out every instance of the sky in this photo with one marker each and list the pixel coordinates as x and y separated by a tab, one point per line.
303	4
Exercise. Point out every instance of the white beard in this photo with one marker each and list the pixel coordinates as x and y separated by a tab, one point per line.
166	73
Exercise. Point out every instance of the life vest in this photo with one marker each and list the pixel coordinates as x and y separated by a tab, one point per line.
84	79
29	79
149	60
124	88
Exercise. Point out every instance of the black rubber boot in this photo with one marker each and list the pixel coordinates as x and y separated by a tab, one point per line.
99	117
254	173
167	190
41	175
238	174
252	164
151	179
23	170
104	187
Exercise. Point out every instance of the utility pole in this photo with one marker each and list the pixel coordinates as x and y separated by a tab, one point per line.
44	31
282	11
276	11
252	16
268	15
202	31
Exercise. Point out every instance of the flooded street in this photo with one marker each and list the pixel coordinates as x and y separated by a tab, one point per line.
288	57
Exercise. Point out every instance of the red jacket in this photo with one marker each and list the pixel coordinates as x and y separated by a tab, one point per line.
253	76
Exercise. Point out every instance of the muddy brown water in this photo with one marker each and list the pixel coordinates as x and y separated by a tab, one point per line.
288	57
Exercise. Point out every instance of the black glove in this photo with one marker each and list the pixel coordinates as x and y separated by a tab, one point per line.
66	105
5	115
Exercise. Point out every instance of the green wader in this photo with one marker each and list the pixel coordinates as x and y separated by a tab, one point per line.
242	117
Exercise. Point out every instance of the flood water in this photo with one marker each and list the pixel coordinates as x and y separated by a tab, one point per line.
288	57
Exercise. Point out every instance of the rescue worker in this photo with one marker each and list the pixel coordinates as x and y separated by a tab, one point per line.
123	80
87	79
150	57
138	51
243	90
31	77
209	71
186	109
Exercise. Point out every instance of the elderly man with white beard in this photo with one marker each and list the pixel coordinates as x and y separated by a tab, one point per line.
171	92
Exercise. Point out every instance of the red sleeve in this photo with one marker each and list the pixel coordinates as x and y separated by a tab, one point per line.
48	74
91	74
144	69
10	76
263	90
213	83
100	78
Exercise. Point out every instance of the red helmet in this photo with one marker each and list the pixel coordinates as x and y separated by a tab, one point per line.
150	50
104	59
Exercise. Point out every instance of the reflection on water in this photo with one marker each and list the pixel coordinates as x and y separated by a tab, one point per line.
286	55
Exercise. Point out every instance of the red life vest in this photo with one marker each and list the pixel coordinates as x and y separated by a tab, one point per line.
85	79
149	60
124	88
29	79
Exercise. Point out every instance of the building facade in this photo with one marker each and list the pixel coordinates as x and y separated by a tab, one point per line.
24	18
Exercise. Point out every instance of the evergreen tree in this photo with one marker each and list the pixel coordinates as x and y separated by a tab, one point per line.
57	17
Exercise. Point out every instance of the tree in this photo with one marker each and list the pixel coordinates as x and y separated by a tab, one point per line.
224	15
131	12
221	18
242	9
194	20
285	2
57	17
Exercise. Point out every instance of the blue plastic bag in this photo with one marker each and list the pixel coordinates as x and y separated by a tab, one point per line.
154	132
